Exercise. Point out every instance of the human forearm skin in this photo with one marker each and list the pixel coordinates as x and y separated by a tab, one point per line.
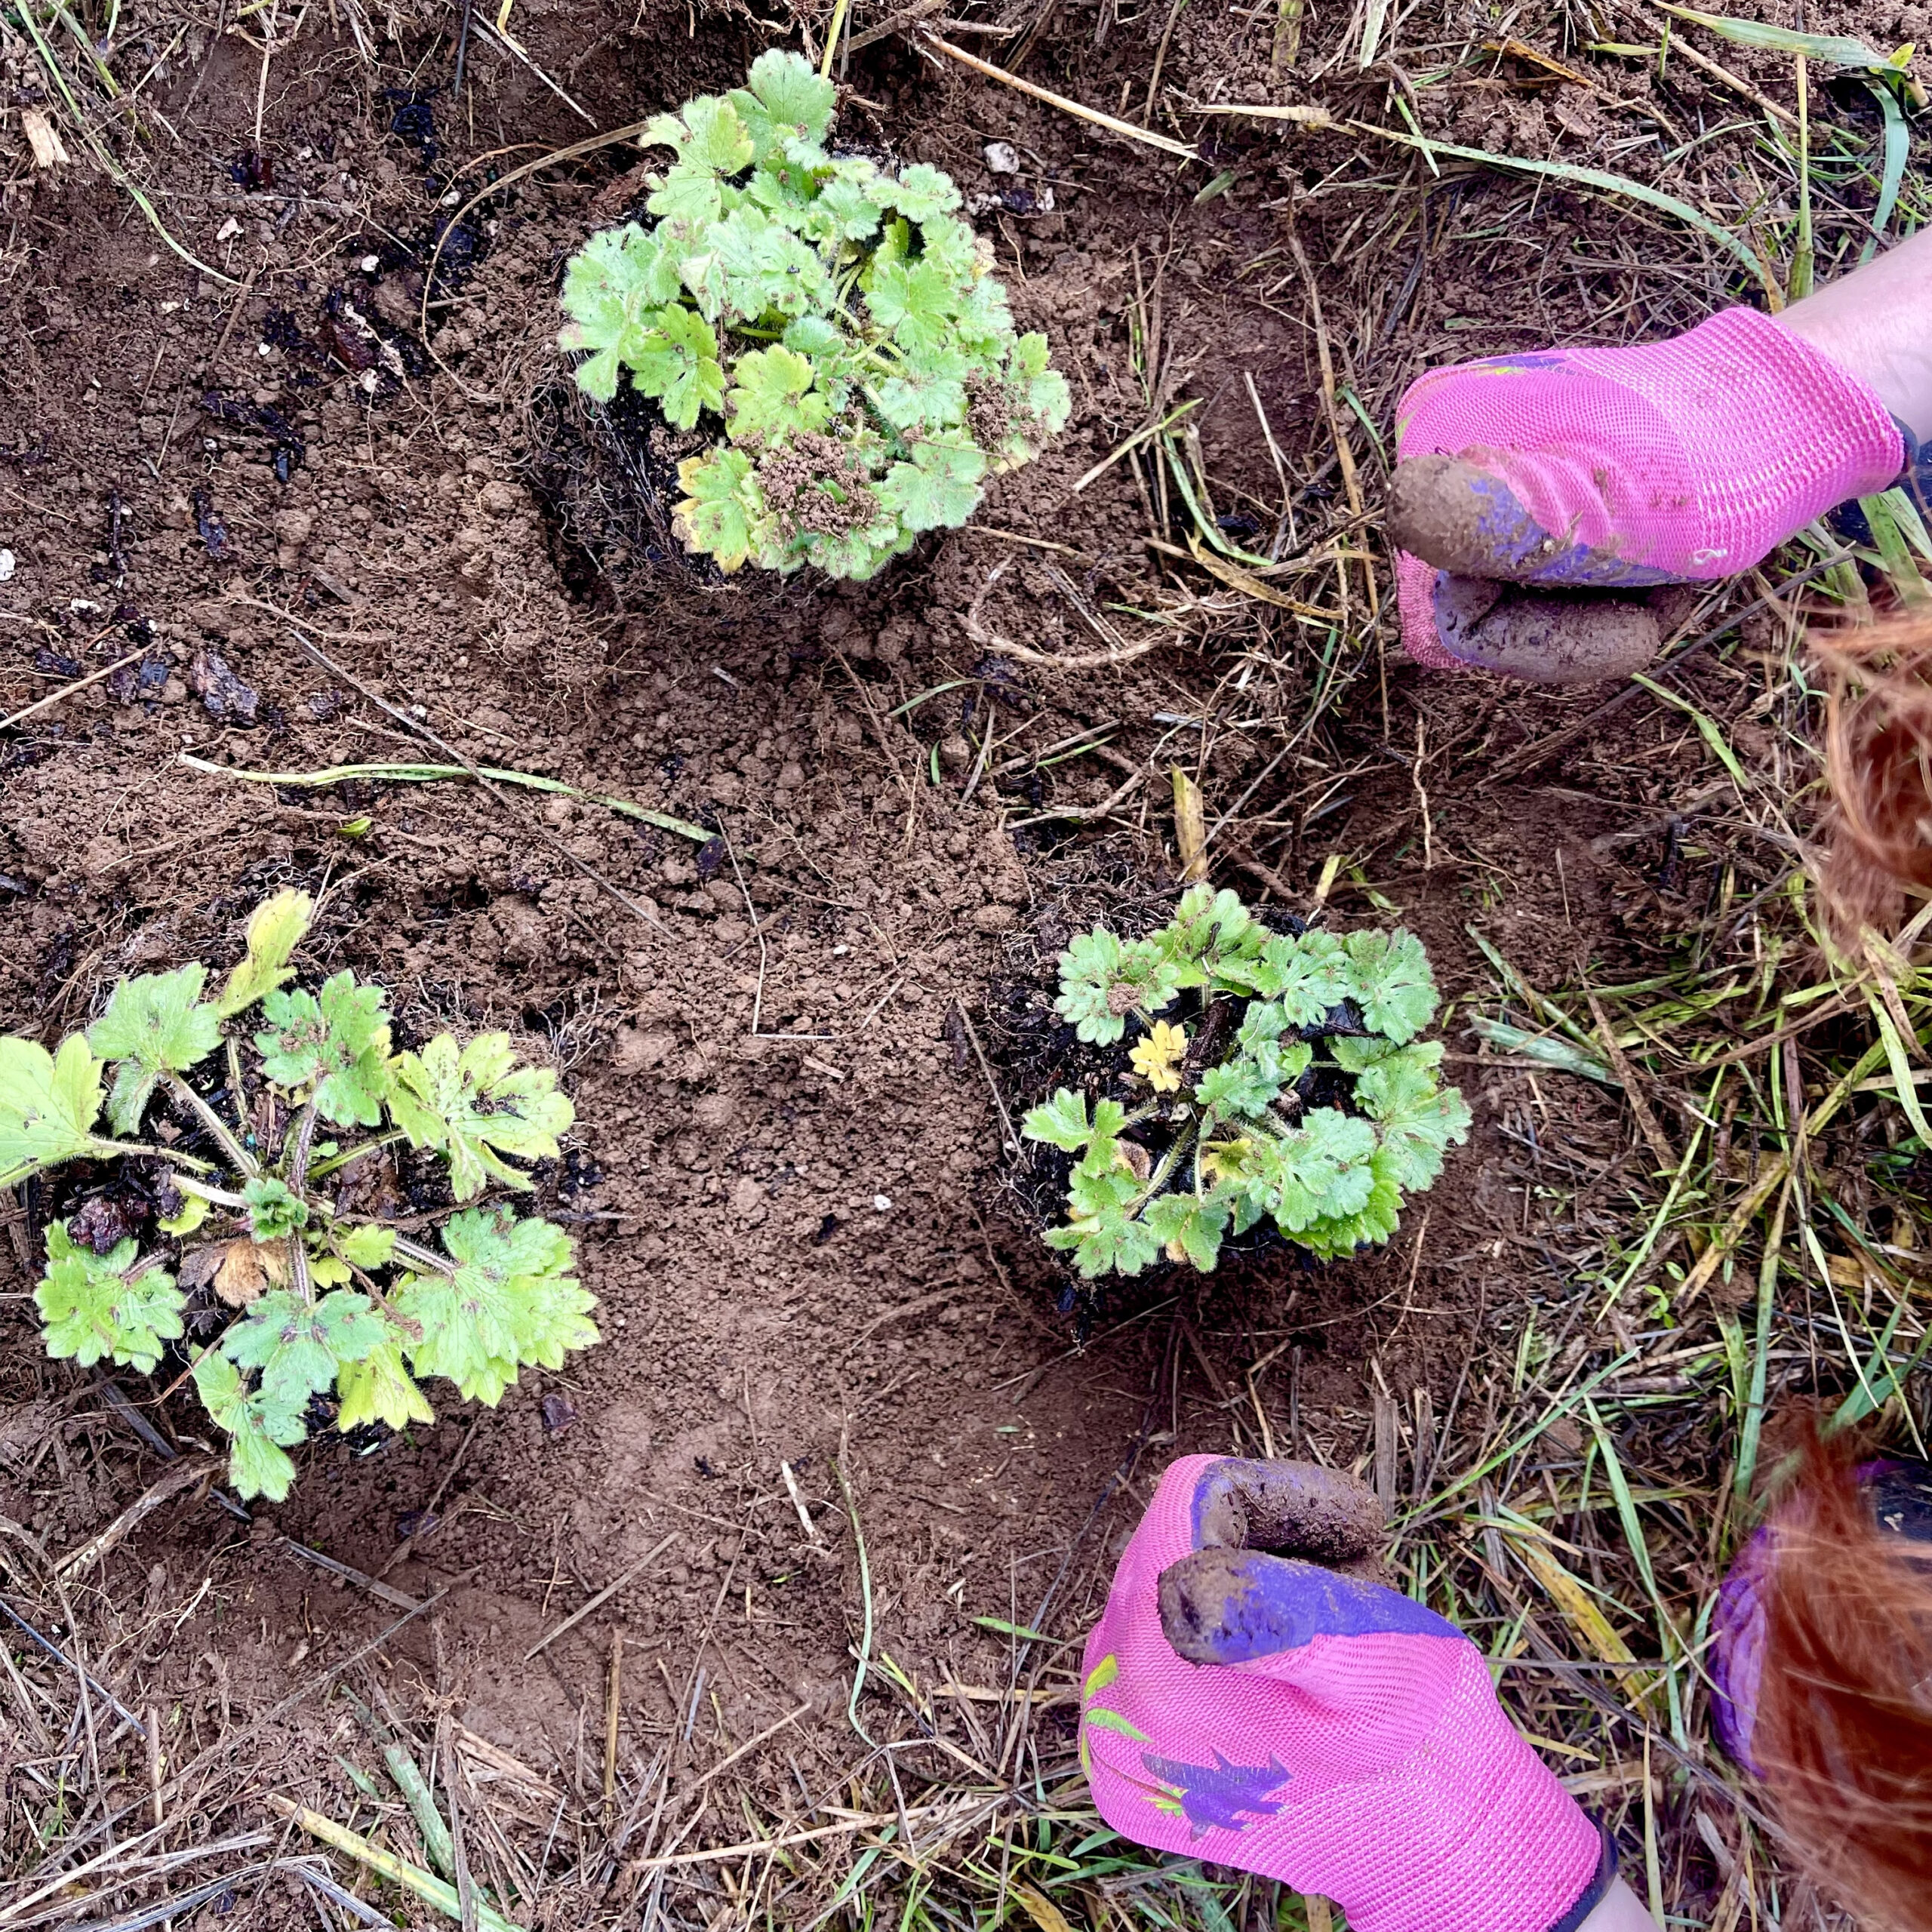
1619	1911
1876	324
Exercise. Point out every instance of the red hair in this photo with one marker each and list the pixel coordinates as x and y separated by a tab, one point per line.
1877	828
1845	1716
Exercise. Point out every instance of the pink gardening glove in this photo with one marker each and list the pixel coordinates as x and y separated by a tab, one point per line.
1601	471
1266	1712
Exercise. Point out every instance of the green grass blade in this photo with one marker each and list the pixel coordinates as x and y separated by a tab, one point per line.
1707	728
1898	150
1836	49
1553	1052
430	774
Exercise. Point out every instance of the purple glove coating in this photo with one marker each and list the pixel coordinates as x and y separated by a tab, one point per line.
1227	1607
1489	534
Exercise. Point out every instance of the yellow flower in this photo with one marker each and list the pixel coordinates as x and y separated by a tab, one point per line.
1154	1059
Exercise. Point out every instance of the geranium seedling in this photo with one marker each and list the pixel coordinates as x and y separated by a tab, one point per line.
836	325
1285	1083
324	1302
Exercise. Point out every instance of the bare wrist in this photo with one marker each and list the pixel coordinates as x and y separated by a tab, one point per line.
1619	1910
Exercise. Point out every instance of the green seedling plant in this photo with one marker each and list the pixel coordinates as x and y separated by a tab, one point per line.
836	325
1288	1084
320	1302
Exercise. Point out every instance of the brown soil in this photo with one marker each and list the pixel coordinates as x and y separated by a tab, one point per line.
787	1180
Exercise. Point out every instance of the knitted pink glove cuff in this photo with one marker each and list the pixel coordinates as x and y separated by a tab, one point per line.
1375	1769
1691	458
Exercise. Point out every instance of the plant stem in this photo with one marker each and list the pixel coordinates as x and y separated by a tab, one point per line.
348	1154
1157	1181
116	1150
238	1156
302	1141
220	1196
298	1155
422	1257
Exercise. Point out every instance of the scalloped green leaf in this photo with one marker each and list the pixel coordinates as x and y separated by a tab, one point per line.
773	399
474	1105
334	1045
1389	978
48	1105
510	1301
103	1308
939	489
153	1025
675	362
717	515
259	1428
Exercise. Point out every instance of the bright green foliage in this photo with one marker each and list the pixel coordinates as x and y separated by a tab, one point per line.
1317	1110
273	1210
48	1105
475	1103
105	1307
510	1301
836	327
277	925
258	1427
335	1048
153	1025
339	1309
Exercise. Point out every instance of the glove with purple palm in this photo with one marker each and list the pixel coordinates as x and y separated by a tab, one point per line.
1255	1695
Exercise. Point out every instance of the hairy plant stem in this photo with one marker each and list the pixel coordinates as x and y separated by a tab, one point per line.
300	1142
1183	1141
418	1257
116	1149
243	1161
336	1162
219	1197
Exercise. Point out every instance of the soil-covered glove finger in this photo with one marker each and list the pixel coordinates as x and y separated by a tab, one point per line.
1693	457
1234	1606
1455	512
1466	623
1290	1508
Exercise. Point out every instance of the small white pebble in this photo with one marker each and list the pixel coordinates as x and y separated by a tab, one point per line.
1002	157
370	264
881	1202
7	566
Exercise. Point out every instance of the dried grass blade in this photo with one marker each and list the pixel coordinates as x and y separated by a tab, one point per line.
1145	136
1597	178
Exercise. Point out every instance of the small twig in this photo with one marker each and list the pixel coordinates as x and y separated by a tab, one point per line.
181	1475
1146	136
610	1589
992	1085
350	1573
612	1690
67	690
462	50
798	1502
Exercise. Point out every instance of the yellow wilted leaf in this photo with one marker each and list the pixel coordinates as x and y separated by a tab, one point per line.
1042	1910
1591	1628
